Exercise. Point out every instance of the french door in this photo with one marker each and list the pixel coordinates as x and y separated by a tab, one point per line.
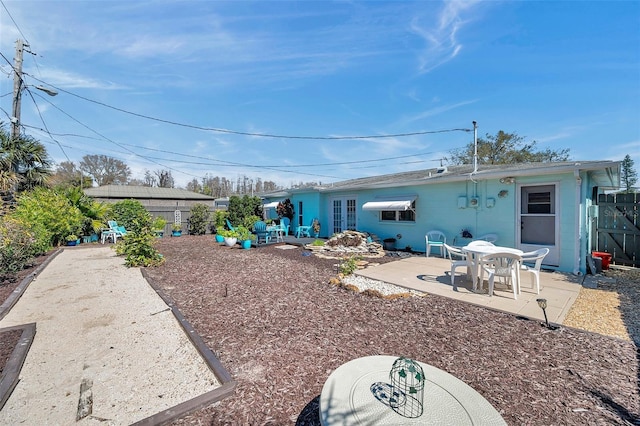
539	228
343	214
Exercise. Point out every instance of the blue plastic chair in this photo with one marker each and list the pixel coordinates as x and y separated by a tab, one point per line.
436	239
284	224
260	228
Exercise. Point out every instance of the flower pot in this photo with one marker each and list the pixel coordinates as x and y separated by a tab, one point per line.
176	233
219	238
246	244
230	241
389	243
72	243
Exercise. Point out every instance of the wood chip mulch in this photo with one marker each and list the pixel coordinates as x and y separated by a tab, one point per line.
280	328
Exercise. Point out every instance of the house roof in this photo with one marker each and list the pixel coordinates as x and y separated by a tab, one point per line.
144	192
604	173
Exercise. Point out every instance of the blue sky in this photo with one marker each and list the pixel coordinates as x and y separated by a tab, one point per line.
564	74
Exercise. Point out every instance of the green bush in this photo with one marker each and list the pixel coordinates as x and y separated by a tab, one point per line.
18	247
138	244
131	214
241	208
49	214
349	266
138	249
199	219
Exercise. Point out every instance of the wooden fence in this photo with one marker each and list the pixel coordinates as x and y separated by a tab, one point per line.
618	228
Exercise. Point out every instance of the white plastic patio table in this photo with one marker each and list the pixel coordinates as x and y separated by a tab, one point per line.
474	252
347	399
275	231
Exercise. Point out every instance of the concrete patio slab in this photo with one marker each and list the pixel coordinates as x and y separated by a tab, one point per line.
431	275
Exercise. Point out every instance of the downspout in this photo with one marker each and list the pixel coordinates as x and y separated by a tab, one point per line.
578	222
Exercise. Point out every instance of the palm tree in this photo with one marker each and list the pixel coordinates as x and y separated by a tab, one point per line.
24	162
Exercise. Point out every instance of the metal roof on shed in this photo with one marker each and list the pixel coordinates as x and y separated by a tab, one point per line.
144	192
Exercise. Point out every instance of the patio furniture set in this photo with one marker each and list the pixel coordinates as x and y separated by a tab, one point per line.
483	256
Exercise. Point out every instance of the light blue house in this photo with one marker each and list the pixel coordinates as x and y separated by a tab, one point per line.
529	206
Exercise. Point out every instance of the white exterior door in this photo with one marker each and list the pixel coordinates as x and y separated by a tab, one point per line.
343	214
537	209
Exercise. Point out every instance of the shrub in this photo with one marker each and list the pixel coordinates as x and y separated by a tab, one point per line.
131	214
50	214
138	249
349	266
242	207
200	216
18	247
318	243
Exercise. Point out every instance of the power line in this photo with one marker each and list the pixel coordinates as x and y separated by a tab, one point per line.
14	22
263	135
151	159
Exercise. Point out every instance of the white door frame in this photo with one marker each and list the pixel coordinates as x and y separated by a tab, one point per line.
345	221
553	258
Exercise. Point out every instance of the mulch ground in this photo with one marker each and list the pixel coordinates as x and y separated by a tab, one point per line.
280	328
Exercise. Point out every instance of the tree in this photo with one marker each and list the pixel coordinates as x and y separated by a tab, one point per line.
105	170
69	175
165	180
506	148
628	174
24	162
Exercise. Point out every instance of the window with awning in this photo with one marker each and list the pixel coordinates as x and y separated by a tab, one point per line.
390	203
401	209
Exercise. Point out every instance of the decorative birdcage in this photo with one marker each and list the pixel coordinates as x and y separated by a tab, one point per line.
407	378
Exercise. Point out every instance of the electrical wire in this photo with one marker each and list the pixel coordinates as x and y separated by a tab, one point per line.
263	135
14	21
151	159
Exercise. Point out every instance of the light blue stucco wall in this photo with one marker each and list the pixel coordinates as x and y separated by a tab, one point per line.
437	207
311	209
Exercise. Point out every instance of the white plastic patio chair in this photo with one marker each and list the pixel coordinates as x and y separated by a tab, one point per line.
536	258
435	239
458	259
502	265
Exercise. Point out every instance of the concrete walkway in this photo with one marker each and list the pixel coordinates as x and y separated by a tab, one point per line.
431	275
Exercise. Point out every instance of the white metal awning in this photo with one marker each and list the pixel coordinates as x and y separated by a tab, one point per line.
271	205
396	204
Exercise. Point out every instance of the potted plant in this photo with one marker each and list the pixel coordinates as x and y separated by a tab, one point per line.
72	240
245	236
158	225
316	227
219	219
176	230
230	237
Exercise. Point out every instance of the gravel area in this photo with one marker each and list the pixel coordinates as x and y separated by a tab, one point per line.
280	326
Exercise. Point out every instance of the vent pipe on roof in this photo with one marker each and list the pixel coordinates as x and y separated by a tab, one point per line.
475	147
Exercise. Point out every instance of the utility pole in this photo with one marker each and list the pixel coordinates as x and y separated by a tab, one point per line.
17	89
